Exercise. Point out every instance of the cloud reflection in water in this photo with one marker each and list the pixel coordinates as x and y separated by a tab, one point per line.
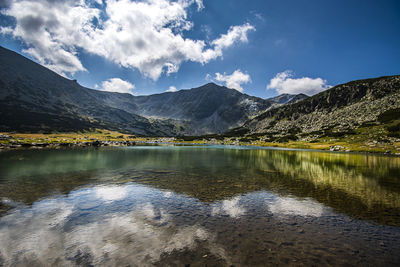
230	207
52	232
291	206
111	193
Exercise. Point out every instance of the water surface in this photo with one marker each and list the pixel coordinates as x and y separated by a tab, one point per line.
204	205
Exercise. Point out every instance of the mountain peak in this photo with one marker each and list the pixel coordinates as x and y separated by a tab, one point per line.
212	84
34	98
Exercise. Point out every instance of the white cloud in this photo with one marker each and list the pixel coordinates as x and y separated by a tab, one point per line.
207	30
199	4
171	89
117	85
146	35
284	84
259	17
235	34
235	80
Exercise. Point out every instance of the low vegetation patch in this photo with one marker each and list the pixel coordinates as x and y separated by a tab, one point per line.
378	138
389	115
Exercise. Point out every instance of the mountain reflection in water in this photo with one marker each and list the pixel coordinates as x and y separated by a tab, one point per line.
166	205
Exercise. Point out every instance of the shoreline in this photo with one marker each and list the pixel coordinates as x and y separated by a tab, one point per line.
106	138
155	141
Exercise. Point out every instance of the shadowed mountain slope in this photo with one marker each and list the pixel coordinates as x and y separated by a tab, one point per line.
206	109
34	98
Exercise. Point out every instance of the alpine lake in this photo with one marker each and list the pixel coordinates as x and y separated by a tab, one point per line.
171	205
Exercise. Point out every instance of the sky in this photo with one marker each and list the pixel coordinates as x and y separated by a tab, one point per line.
259	47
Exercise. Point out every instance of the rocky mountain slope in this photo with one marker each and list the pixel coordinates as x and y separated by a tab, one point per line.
206	109
287	98
33	98
334	112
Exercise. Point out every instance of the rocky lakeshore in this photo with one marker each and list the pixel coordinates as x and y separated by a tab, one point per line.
96	143
21	141
11	142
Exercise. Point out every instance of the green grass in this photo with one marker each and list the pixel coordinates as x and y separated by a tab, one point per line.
374	138
72	137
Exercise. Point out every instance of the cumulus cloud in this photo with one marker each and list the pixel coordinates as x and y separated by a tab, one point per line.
146	35
284	84
171	89
235	34
117	85
235	80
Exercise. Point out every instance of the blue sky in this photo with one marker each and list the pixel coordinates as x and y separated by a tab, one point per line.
261	48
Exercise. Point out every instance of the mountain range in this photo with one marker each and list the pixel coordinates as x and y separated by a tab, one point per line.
34	98
335	112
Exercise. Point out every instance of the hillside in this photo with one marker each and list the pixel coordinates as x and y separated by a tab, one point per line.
206	109
339	111
33	98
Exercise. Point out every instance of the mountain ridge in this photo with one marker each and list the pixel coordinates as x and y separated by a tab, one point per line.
341	109
33	98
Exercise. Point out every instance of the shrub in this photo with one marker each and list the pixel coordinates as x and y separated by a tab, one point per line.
330	133
389	115
394	128
287	138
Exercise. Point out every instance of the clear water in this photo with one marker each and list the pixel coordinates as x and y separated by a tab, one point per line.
198	206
